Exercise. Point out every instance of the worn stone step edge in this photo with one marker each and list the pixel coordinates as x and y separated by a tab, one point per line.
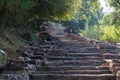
73	72
39	67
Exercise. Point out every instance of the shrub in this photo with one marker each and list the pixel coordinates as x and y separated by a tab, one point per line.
110	33
103	33
92	32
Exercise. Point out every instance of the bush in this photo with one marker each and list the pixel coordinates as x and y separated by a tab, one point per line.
103	33
92	32
111	34
15	13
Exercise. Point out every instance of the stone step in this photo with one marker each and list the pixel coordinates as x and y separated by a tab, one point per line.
91	49
70	51
108	51
113	65
45	46
5	72
71	62
73	58
82	51
13	68
73	72
63	68
15	65
75	54
106	46
72	77
84	45
14	76
39	53
111	56
37	57
31	61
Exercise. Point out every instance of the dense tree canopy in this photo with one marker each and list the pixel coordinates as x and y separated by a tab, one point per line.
85	12
89	12
18	12
56	9
116	13
88	15
14	12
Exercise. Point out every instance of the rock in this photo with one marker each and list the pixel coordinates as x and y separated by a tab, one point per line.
31	67
21	58
118	75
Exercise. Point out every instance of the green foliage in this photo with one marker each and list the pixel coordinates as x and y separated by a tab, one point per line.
5	45
3	60
104	33
92	32
71	25
111	34
15	41
17	13
107	19
90	13
34	38
116	5
10	42
14	12
56	9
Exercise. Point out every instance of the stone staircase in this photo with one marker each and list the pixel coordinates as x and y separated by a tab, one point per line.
71	60
65	58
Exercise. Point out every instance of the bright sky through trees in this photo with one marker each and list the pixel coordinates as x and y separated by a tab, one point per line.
106	7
